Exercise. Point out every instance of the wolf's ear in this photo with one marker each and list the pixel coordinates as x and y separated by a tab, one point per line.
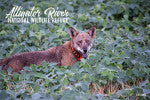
92	31
73	33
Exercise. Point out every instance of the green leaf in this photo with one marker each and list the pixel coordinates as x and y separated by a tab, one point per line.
35	28
64	81
2	32
104	23
33	67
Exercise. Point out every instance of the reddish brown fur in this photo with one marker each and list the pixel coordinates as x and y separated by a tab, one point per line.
62	55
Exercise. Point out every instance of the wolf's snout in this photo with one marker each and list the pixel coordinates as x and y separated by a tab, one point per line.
85	50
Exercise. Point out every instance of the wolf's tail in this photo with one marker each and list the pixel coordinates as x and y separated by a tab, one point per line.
4	62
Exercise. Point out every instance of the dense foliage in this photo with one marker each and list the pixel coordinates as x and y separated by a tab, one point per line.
118	66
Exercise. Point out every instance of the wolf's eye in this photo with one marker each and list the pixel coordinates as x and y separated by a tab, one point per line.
79	41
87	41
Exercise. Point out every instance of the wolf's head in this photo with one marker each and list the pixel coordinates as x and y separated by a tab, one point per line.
82	42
